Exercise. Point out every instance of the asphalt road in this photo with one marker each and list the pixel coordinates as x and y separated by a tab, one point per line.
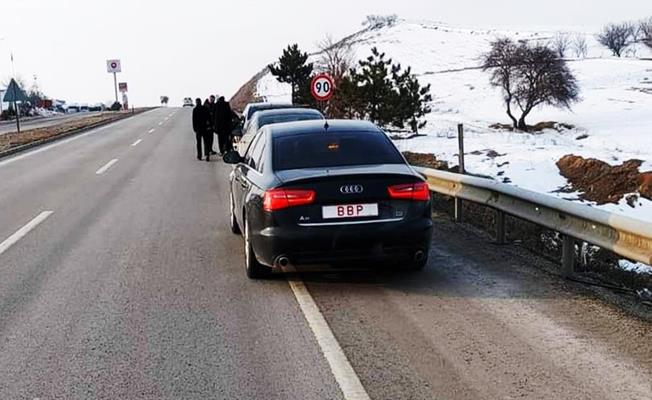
10	126
119	278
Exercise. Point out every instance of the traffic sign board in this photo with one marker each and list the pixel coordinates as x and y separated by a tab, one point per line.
122	86
322	87
113	66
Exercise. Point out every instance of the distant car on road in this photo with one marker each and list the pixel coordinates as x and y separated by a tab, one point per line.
267	117
187	102
327	192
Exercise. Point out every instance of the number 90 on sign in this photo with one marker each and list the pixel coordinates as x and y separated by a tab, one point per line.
322	87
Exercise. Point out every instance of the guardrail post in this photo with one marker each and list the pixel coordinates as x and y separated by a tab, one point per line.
500	227
460	141
568	256
458	210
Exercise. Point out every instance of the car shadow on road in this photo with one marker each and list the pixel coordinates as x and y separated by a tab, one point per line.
456	268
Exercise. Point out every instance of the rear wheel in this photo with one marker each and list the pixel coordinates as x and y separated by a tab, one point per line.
255	270
418	265
233	222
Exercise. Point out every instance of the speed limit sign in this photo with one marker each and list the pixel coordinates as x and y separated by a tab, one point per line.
322	87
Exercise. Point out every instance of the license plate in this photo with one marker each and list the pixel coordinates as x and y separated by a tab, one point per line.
350	211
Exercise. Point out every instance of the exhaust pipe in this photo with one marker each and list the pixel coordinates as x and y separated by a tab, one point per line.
419	256
282	261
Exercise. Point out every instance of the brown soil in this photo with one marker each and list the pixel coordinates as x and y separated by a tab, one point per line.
10	140
602	183
425	160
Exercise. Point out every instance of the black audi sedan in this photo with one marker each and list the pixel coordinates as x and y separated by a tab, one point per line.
327	192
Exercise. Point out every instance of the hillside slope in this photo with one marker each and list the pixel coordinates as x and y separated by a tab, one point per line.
612	123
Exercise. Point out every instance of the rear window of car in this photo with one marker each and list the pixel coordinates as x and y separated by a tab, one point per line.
277	119
336	149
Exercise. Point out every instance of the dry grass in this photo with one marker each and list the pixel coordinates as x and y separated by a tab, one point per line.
10	140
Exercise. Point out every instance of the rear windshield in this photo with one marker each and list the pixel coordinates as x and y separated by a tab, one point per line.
277	119
324	150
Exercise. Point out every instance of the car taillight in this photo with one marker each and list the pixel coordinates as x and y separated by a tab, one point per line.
278	199
412	191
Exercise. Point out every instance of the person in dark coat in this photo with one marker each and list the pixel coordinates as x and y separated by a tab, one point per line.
212	109
223	124
201	125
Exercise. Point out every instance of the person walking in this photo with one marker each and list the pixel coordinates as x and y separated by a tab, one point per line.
223	124
201	126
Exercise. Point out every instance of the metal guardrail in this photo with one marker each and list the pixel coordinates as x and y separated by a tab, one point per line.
627	237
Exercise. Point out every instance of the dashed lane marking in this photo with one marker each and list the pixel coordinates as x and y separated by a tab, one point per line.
136	143
106	166
22	232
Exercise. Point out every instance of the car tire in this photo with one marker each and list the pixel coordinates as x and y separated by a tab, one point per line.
254	269
233	221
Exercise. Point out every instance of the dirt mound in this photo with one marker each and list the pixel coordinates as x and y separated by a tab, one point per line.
425	160
602	183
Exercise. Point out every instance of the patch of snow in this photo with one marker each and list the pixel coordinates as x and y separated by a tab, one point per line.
638	268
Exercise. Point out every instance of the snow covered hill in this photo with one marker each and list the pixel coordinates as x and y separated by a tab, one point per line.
612	123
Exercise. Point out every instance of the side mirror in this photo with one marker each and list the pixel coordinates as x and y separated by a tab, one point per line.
232	157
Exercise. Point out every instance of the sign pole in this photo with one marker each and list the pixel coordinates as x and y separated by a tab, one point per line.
16	108
115	85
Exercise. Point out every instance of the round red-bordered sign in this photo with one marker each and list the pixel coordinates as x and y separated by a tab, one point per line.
322	87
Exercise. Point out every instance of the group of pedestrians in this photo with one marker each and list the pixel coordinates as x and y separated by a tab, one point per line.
212	117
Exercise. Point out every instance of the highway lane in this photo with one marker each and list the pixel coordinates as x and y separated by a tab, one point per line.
133	287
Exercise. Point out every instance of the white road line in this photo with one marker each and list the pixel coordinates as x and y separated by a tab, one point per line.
151	130
160	123
106	167
134	144
166	118
344	373
11	240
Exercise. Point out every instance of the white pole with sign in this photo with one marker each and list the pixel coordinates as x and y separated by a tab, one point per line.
114	66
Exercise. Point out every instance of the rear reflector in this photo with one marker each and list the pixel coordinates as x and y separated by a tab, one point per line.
278	199
412	191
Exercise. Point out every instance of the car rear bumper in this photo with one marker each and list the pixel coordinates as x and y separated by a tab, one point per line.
398	240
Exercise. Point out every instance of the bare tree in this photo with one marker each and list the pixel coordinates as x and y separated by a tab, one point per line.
645	32
560	44
617	37
579	45
336	58
379	21
529	76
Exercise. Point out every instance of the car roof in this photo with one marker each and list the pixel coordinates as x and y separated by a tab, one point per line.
286	111
315	126
256	107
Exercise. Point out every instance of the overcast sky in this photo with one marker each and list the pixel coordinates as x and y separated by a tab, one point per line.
194	48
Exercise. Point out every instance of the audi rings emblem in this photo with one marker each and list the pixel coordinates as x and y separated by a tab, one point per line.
352	189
